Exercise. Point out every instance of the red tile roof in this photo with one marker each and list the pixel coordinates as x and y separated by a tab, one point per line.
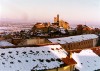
69	61
94	49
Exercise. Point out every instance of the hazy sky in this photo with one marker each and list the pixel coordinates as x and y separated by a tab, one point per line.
72	11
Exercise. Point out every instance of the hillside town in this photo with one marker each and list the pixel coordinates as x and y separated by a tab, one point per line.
45	29
50	47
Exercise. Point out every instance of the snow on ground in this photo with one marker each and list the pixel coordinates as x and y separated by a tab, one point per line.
71	39
31	58
86	60
5	43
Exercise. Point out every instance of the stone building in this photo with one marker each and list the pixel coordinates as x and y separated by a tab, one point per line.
64	24
60	23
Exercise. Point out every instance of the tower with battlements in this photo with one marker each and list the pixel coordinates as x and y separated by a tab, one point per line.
56	19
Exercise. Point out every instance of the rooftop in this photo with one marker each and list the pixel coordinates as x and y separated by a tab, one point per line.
5	43
64	40
87	59
32	58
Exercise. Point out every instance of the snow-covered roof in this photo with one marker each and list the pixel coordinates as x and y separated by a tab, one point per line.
5	43
32	58
64	40
87	60
62	30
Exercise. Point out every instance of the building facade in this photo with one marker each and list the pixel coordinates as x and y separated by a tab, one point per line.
64	24
61	23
